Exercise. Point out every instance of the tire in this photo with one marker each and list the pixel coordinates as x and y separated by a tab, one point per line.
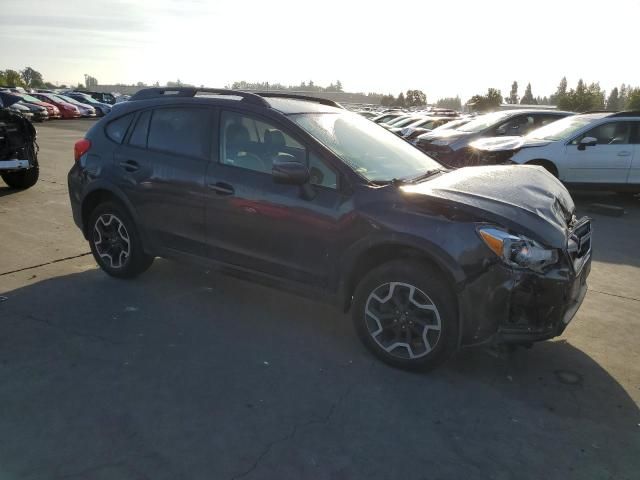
22	179
430	318
115	242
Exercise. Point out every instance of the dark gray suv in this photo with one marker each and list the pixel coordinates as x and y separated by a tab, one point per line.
302	194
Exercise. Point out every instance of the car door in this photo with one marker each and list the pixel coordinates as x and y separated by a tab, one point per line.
608	161
285	231
162	166
634	171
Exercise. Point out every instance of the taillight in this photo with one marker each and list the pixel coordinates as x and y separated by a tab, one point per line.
80	148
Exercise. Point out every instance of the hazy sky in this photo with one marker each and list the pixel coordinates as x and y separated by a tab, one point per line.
443	48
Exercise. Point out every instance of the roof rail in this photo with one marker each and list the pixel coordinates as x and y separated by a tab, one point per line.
296	96
595	111
627	113
148	93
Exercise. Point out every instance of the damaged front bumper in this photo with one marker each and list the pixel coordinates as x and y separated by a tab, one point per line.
506	305
541	309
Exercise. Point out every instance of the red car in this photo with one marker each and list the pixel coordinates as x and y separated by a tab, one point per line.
52	110
66	109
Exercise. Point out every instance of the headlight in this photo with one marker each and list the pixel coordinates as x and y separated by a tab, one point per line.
518	251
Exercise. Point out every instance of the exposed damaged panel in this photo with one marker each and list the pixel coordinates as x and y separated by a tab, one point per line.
18	148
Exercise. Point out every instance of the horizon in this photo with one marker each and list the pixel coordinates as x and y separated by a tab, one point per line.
126	42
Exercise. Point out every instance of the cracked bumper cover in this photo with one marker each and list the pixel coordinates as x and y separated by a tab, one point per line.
508	306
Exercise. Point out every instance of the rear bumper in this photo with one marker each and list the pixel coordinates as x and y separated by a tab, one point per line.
13	165
74	182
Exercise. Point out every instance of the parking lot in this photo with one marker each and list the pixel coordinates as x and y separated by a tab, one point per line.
187	374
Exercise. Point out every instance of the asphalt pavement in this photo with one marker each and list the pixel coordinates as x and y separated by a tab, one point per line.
188	374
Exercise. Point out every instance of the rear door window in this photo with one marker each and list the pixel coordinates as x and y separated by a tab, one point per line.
117	129
180	130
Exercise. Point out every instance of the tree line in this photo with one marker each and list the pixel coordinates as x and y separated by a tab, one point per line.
413	98
584	97
31	78
309	86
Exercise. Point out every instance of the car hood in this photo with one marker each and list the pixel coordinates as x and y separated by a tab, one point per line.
502	144
524	198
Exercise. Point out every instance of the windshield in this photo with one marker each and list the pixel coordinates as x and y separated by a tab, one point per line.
396	120
85	98
406	121
484	121
29	98
369	149
70	100
560	129
453	124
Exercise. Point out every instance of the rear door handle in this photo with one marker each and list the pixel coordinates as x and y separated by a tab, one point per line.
624	154
130	165
222	188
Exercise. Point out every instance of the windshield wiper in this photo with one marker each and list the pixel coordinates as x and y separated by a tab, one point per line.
422	176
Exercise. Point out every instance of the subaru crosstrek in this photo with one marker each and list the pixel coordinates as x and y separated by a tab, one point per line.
300	193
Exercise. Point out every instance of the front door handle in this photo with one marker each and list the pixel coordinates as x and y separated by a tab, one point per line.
222	188
130	165
624	154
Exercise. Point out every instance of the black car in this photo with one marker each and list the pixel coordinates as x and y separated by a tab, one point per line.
102	97
451	146
18	149
299	193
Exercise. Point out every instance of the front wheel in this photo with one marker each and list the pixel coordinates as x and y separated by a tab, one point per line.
404	313
115	242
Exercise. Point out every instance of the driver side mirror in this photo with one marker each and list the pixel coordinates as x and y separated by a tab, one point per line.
287	170
587	142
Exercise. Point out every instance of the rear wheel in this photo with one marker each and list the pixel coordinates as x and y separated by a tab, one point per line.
404	312
115	242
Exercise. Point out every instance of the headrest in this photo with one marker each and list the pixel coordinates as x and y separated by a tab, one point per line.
274	137
237	133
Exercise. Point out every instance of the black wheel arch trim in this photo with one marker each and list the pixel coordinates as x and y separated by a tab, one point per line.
111	189
429	251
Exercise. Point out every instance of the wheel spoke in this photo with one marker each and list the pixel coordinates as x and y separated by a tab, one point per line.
111	240
405	321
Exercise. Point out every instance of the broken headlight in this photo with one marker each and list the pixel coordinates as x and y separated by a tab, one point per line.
517	250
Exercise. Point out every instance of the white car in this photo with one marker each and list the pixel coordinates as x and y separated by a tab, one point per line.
600	150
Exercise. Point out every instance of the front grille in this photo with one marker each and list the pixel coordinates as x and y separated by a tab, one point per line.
579	243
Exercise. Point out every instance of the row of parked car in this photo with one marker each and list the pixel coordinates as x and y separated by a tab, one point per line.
40	105
589	150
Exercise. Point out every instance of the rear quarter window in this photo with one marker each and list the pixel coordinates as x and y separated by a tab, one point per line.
138	137
117	129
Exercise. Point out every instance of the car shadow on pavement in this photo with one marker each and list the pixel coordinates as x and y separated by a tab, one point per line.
185	373
4	190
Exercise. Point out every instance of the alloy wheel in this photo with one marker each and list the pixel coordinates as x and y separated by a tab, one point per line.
403	320
111	240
